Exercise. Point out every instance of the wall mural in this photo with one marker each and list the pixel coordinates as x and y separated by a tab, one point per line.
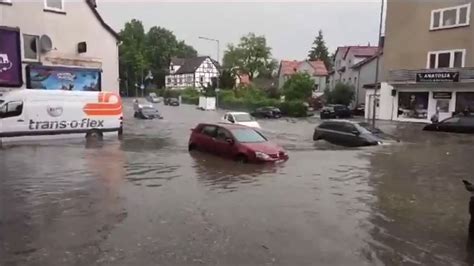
62	78
10	58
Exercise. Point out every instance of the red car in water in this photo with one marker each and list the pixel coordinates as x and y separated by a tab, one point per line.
240	143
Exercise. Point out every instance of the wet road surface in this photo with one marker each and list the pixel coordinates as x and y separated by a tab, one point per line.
146	201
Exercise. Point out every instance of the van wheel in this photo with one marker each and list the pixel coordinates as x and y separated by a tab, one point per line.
94	134
241	158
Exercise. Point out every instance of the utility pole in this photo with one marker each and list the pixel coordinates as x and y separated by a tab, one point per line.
375	99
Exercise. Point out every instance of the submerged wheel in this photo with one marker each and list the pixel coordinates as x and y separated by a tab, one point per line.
192	147
241	158
94	135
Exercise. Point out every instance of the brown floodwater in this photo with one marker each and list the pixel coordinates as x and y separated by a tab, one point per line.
144	200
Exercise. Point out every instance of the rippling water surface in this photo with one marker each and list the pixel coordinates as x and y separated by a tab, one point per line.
145	200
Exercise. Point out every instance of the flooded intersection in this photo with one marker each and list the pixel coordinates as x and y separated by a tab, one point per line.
146	201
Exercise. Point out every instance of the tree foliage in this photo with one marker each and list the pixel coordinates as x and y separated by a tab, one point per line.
341	94
298	87
227	79
251	55
319	51
141	52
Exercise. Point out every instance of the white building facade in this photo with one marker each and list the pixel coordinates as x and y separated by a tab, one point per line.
57	44
192	72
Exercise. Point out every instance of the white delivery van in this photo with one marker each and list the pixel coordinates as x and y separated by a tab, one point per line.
27	114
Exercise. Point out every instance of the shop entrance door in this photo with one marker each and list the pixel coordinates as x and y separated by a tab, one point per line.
443	106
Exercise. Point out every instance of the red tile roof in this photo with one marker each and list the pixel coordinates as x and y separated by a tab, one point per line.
291	67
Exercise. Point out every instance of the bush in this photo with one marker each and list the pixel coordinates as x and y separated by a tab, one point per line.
341	94
298	87
294	108
167	93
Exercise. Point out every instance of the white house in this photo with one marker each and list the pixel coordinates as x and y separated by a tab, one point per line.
365	74
57	44
192	72
316	69
344	60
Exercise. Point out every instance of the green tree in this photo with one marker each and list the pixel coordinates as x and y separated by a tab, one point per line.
140	53
227	79
132	60
298	87
251	55
319	51
341	94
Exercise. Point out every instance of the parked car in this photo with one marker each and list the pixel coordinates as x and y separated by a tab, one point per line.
350	133
171	101
267	112
359	110
153	98
456	124
240	118
335	111
237	142
147	112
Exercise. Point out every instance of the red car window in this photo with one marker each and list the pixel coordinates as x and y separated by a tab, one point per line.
209	131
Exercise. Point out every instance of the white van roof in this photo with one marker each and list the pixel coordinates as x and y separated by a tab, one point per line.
41	94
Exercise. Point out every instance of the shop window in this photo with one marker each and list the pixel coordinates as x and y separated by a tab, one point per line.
30	47
413	105
446	59
450	17
464	101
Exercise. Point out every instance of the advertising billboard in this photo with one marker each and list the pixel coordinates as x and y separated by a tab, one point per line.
10	58
63	78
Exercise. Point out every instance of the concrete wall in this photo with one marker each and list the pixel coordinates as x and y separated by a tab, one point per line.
78	24
409	38
387	107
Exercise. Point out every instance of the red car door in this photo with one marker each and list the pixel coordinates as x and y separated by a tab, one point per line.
206	138
222	146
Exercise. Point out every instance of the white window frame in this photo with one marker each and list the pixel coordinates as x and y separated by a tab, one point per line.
456	24
451	58
37	59
53	8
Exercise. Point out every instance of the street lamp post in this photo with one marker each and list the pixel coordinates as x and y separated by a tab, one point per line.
218	59
374	107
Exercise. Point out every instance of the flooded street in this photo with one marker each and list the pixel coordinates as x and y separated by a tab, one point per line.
146	200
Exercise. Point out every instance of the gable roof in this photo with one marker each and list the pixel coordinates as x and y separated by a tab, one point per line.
177	61
291	67
190	65
367	60
357	50
92	4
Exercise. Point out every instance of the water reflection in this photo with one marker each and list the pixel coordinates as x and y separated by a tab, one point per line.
226	174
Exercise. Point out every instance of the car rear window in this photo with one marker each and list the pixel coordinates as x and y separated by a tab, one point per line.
243	117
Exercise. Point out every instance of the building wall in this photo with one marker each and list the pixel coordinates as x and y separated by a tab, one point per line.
409	38
66	31
308	69
206	70
366	75
349	76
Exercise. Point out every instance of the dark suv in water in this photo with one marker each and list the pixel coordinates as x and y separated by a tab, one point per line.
349	133
335	111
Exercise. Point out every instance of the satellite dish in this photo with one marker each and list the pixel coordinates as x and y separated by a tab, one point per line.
46	44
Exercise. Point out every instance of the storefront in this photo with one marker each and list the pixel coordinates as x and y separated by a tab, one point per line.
440	93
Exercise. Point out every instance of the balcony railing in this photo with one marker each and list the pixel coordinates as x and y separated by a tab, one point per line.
466	74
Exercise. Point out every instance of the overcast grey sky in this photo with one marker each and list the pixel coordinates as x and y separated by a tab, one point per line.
290	28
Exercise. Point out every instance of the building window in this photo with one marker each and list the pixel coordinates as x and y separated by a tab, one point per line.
446	59
30	47
57	5
168	80
450	17
413	105
201	79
